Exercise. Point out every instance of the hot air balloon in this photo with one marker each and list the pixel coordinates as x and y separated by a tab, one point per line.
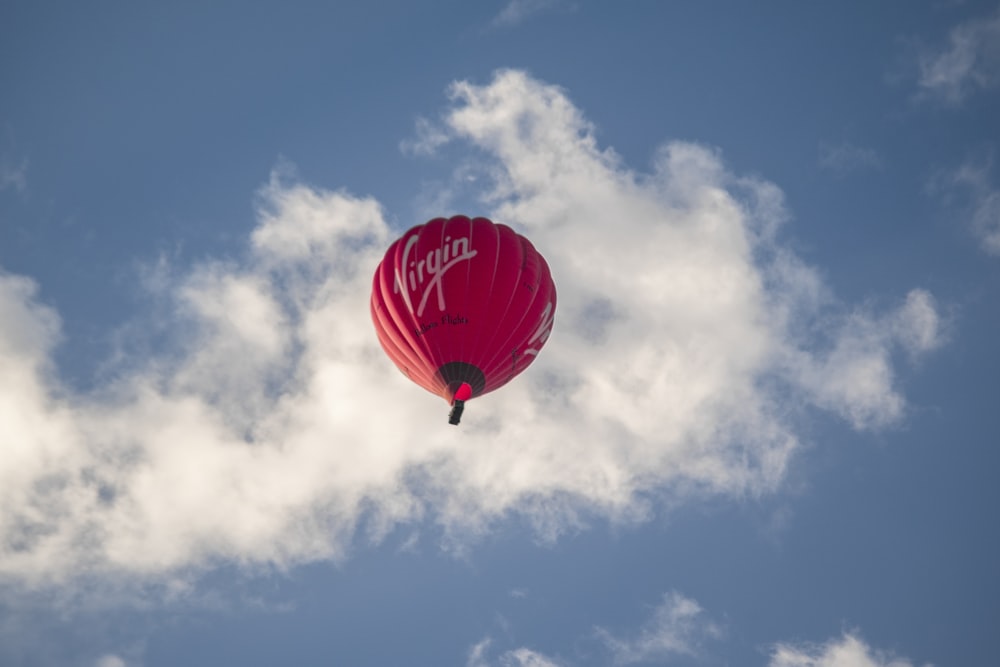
462	306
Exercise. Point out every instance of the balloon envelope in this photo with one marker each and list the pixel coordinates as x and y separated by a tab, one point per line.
462	305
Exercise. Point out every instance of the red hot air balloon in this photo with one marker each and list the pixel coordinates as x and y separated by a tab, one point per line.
462	306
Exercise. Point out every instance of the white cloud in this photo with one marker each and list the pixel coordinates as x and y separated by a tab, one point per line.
274	431
677	627
970	63
846	651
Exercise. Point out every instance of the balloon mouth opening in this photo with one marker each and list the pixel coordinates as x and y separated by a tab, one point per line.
460	381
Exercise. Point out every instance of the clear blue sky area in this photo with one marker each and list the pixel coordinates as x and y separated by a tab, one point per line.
796	214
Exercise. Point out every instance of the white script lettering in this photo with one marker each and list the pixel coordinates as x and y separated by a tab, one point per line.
427	273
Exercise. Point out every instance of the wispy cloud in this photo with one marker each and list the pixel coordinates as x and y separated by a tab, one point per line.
973	192
850	377
985	203
521	657
517	11
429	139
969	63
274	431
677	627
44	631
679	631
13	176
846	651
845	157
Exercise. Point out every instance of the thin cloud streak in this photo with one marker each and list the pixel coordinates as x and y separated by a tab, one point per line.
516	12
110	660
275	432
975	179
971	194
521	657
13	177
679	629
845	158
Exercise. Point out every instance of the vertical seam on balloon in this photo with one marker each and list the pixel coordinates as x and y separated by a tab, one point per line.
432	340
546	292
524	245
504	230
514	370
487	295
391	342
419	344
465	377
390	315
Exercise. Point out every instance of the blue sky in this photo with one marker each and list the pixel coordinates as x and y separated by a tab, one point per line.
763	432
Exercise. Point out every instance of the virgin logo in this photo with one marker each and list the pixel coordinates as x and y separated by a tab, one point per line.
423	276
542	332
